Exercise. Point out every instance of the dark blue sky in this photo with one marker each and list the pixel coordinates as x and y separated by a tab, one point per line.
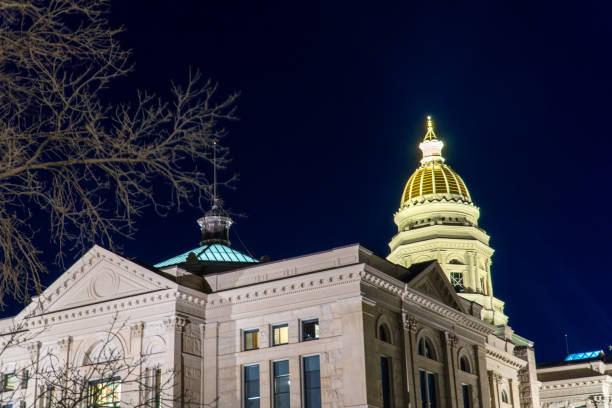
333	106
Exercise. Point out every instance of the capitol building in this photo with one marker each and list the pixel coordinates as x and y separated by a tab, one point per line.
419	327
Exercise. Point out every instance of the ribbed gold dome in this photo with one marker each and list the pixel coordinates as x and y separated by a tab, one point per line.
435	179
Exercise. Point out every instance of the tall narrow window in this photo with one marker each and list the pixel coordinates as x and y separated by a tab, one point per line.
383	333
428	389
251	339
426	349
280	334
310	329
312	382
251	386
50	403
25	377
464	364
467	396
504	396
385	373
157	388
104	393
281	384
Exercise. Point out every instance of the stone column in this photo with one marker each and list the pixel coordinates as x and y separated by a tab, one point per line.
410	325
514	390
64	346
450	344
483	384
408	361
174	327
34	351
136	351
494	381
210	369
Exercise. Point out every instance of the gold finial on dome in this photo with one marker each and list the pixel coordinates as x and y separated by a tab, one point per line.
431	135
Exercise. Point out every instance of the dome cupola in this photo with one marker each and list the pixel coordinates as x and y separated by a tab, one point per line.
434	180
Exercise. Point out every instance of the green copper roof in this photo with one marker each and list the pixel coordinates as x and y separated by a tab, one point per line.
210	253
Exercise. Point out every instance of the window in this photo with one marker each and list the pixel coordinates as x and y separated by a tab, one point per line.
384	334
50	396
281	384
251	386
455	262
104	393
8	382
428	389
7	405
280	334
310	329
157	388
22	404
456	279
467	396
464	364
25	377
426	348
504	396
251	339
312	382
385	374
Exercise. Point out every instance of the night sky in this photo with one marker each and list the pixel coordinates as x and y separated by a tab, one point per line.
333	103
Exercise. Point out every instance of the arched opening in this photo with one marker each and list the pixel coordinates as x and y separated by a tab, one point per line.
464	364
383	333
426	349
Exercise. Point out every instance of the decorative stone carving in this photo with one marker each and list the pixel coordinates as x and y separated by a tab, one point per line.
175	322
451	339
136	329
411	324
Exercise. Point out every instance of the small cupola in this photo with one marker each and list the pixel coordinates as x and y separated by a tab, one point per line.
215	226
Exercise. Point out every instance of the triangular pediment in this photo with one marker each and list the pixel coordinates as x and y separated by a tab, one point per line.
100	276
432	281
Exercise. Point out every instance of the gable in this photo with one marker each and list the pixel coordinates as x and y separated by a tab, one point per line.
99	276
432	281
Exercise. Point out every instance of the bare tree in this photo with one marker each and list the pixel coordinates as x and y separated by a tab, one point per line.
105	377
74	165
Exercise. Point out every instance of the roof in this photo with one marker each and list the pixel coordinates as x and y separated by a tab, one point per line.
585	355
210	253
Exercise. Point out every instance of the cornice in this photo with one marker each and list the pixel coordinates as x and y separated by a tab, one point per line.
505	357
470	322
581	382
113	306
298	284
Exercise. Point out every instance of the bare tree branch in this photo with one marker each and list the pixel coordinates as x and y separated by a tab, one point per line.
70	157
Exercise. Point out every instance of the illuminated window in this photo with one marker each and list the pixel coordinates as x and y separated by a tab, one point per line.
251	339
104	393
426	349
310	329
504	396
251	386
9	381
280	334
429	393
456	279
282	384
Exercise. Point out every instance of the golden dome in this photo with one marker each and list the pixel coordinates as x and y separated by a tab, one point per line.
437	180
434	180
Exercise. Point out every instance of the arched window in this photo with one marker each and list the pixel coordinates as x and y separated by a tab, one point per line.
455	262
426	348
383	333
504	396
464	364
